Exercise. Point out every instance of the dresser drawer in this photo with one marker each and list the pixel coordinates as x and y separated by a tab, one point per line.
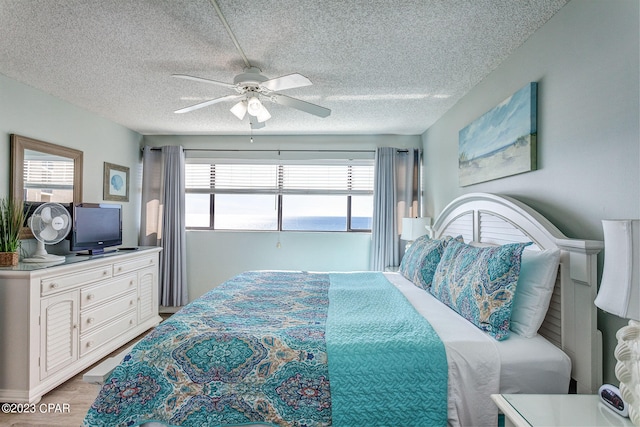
102	336
57	283
133	265
96	294
96	317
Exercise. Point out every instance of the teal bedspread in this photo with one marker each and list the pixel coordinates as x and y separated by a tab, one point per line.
387	365
253	350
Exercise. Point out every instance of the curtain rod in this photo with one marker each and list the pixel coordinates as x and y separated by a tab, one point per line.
399	150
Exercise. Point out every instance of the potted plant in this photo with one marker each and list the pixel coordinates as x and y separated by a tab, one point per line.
11	222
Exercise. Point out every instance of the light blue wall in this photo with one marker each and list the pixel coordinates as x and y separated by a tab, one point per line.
214	256
586	62
35	114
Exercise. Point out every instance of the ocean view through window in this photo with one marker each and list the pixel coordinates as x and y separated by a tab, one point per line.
330	196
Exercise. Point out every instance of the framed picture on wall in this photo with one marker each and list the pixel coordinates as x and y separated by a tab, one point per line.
116	183
502	142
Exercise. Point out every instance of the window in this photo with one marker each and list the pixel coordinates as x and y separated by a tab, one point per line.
314	212
328	195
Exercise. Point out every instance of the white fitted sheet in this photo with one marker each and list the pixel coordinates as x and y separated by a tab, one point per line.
480	366
533	366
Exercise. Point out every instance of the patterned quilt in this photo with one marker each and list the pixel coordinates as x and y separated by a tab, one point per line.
251	350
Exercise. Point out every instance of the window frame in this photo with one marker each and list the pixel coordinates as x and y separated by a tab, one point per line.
279	192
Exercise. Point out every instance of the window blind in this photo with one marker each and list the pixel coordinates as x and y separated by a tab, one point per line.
294	177
48	174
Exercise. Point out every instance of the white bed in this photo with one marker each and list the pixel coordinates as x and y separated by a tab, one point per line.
569	344
571	321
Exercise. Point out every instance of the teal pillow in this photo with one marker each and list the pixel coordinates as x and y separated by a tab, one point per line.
480	283
421	259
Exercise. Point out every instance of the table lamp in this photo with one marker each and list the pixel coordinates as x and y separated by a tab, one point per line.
619	294
412	228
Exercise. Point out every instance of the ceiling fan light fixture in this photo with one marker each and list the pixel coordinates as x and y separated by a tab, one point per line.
254	106
239	110
263	115
257	109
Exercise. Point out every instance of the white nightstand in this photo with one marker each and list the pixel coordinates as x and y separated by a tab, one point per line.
532	410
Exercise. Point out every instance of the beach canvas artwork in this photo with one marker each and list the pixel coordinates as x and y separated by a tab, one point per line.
502	142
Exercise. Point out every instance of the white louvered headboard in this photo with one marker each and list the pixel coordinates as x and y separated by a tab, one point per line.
570	324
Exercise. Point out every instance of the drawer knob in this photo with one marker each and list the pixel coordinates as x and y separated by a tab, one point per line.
131	321
131	302
54	286
119	268
105	272
90	297
90	320
89	343
131	283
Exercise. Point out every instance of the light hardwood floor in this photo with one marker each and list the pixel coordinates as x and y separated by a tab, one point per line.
70	402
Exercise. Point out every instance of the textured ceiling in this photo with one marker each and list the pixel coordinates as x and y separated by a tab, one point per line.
382	67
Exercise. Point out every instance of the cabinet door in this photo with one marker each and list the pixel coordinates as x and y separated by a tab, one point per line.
147	293
58	332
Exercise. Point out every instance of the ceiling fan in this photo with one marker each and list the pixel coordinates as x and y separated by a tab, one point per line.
252	88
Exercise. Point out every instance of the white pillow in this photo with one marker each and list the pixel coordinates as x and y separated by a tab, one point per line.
538	272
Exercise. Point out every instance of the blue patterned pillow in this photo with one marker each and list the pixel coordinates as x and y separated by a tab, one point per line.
420	261
479	283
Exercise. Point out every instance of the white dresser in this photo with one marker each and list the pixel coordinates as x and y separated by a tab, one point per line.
56	321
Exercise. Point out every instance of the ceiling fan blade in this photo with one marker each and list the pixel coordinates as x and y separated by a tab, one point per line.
298	104
207	103
256	125
289	81
201	80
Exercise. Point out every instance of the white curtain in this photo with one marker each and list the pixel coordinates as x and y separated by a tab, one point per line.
163	221
396	195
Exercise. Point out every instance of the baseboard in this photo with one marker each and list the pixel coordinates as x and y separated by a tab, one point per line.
166	310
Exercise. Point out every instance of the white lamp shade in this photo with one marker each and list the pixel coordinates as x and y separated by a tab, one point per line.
263	115
240	109
412	228
254	106
619	292
257	109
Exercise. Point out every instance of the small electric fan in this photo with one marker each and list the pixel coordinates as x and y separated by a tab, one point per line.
50	223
